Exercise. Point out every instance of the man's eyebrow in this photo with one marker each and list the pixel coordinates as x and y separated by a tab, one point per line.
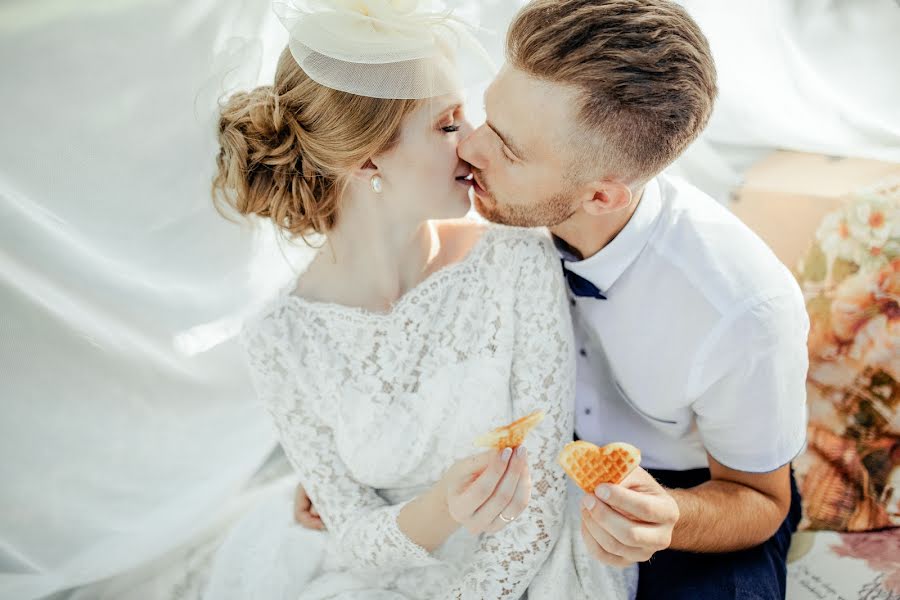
505	139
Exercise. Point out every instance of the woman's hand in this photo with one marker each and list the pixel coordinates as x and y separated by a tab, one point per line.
473	492
487	491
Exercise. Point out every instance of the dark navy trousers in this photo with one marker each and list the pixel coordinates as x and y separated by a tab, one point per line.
758	573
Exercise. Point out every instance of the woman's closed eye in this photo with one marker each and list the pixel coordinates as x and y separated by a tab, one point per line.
450	122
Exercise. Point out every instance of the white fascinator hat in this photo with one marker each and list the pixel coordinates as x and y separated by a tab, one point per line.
403	49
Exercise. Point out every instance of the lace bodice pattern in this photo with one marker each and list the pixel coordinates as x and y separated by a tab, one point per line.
372	408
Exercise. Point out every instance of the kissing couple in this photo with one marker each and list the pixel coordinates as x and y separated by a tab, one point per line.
625	304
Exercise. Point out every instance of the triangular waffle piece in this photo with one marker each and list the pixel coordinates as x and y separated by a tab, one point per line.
590	466
512	435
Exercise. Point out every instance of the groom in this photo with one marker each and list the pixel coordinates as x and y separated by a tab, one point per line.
691	335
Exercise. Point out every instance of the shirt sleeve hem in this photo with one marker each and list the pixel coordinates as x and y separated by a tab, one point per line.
764	467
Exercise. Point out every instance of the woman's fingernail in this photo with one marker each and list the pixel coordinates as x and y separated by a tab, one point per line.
507	452
520	451
589	502
602	492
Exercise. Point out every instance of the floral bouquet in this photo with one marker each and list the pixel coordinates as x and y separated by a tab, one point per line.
849	475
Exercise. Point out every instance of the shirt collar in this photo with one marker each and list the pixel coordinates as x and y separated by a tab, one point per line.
606	266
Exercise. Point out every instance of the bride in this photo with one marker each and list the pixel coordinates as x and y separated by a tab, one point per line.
412	331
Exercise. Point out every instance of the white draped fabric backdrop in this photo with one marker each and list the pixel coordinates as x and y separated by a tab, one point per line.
129	430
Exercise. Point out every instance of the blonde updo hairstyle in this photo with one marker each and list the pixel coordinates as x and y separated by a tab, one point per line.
286	150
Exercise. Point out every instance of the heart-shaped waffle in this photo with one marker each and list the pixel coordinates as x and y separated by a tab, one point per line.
512	435
590	465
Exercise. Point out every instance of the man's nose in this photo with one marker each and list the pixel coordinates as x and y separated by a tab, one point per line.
468	148
465	128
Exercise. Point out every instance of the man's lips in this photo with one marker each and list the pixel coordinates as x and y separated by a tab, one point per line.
479	189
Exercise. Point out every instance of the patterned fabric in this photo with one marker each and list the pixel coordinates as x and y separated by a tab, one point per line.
849	475
828	565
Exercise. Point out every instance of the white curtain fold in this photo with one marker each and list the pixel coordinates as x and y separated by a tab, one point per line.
129	425
808	75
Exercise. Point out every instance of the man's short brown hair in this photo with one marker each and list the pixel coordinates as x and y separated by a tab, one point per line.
644	70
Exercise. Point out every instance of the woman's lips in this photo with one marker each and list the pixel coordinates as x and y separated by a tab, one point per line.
466	180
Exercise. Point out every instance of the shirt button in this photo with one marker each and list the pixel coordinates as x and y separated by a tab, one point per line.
572	301
582	352
587	411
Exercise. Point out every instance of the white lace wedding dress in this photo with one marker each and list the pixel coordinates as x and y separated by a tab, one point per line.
372	408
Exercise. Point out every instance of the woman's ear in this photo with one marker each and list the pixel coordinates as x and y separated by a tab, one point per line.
366	171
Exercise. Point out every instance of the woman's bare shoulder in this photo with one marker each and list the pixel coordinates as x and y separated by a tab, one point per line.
458	236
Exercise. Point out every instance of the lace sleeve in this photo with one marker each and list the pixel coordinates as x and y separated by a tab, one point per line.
363	524
543	376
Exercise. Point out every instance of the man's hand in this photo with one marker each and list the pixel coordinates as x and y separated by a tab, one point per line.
627	523
304	511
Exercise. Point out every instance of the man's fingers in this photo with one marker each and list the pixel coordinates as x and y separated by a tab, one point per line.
642	505
301	500
627	532
637	513
609	543
597	552
310	522
304	512
639	478
301	505
303	517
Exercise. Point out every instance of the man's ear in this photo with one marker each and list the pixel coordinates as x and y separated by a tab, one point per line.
605	196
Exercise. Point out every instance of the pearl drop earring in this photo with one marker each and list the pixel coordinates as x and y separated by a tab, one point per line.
376	184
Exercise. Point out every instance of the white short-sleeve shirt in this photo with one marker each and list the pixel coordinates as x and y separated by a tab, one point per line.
701	344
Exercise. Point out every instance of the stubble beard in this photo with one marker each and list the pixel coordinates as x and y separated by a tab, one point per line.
545	213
